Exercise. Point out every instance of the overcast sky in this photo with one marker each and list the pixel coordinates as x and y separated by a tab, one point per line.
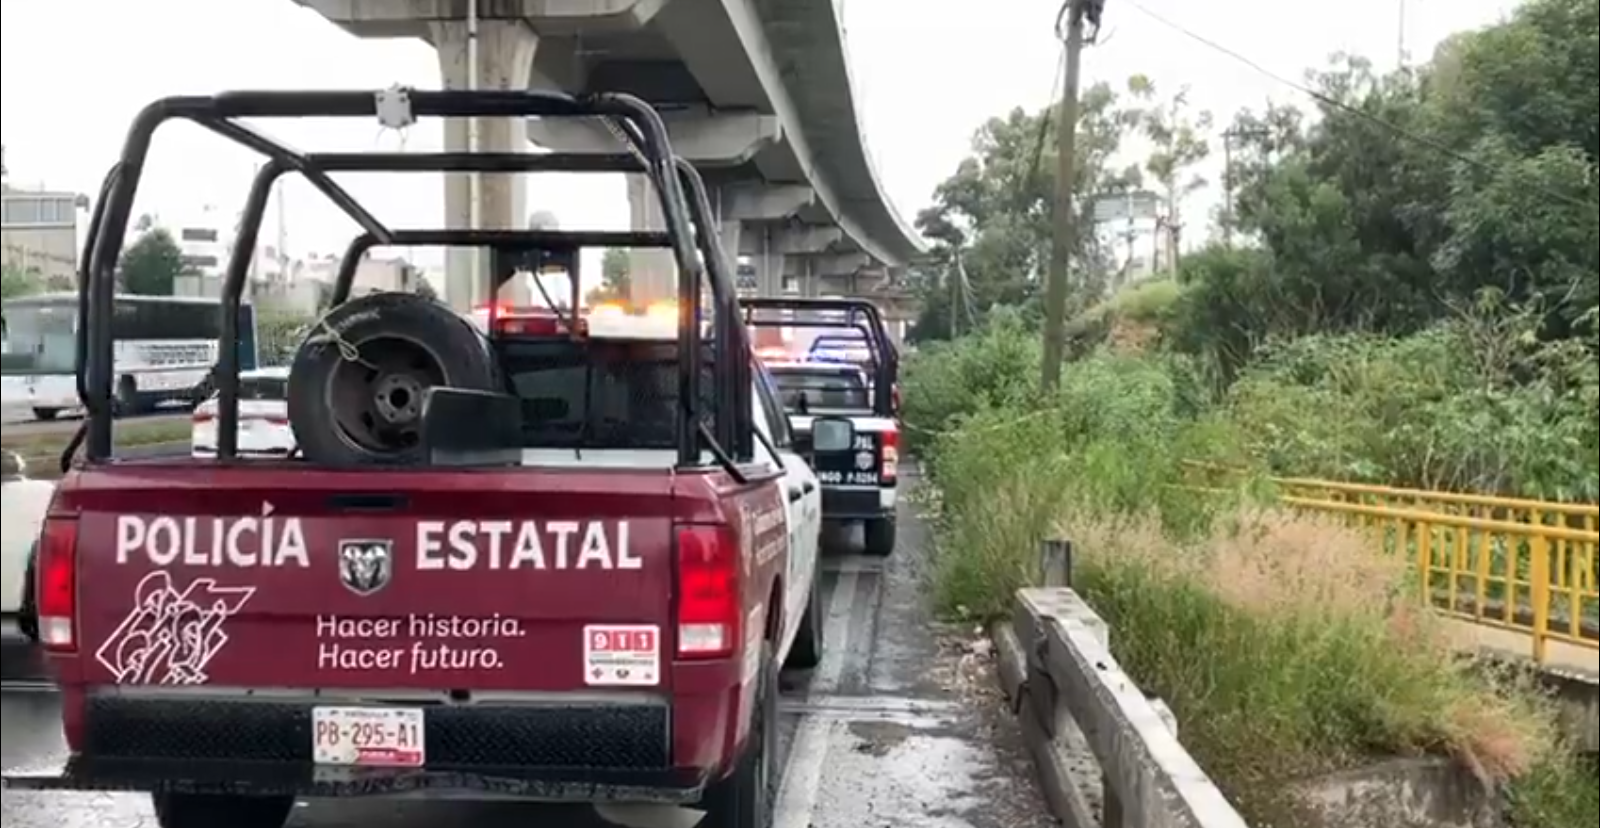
927	74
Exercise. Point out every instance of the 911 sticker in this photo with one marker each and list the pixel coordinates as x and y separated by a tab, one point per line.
622	655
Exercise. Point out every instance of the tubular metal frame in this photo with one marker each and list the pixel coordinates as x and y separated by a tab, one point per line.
678	186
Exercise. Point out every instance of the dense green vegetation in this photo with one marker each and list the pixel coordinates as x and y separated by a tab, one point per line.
1420	254
1409	298
1286	645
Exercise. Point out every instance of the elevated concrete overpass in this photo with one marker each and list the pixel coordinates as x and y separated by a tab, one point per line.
756	92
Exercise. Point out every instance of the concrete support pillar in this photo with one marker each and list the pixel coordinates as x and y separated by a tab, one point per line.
769	264
802	268
652	274
732	236
505	61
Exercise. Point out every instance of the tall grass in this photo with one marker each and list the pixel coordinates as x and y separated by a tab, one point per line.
1287	646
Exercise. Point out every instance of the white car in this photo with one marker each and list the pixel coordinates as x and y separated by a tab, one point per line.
25	503
263	417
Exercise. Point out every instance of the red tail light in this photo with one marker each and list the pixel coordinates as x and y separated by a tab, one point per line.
891	455
709	601
56	569
894	398
537	326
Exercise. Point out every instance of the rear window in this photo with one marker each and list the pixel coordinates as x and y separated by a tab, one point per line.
821	389
263	388
596	394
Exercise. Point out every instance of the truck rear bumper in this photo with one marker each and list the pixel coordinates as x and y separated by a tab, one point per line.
667	787
857	502
584	752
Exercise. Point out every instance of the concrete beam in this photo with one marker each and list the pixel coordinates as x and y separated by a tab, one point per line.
720	139
410	18
806	240
754	201
827	264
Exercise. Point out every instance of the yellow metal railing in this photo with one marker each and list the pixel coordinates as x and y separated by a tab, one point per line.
1527	566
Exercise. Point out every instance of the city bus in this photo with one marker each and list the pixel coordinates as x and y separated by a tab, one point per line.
166	347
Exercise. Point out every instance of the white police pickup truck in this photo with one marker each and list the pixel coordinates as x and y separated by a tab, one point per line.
25	504
841	398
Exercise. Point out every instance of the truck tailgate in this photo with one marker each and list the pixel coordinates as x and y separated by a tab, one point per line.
546	580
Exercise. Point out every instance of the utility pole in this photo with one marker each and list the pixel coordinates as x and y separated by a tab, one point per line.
1227	188
1400	40
1075	12
954	277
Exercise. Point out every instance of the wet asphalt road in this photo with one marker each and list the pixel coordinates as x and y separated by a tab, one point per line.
895	729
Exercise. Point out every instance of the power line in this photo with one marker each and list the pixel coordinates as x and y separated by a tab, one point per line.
1430	143
1044	125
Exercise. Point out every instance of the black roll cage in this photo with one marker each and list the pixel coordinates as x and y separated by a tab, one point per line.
886	358
678	185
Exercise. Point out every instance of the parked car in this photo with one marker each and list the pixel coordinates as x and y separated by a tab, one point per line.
263	417
25	504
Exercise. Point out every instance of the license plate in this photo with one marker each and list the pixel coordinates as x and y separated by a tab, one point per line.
390	737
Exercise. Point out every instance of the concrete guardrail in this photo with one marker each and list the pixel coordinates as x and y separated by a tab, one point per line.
1075	702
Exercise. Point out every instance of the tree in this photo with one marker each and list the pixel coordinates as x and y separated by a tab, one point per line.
20	281
1405	196
1179	144
152	264
616	285
991	219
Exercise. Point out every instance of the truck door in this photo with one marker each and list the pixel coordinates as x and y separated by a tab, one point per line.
802	498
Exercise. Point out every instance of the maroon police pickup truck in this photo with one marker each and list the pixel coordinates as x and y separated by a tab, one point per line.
539	556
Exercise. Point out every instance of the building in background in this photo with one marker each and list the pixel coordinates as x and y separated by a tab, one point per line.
204	244
278	281
1123	219
39	232
205	239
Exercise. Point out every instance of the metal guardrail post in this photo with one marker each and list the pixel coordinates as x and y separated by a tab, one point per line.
1055	563
1539	589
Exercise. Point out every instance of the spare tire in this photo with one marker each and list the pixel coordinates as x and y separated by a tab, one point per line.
358	381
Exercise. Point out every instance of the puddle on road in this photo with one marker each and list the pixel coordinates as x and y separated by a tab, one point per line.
891	776
908	771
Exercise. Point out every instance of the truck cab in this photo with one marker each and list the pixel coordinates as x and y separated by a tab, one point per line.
528	554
